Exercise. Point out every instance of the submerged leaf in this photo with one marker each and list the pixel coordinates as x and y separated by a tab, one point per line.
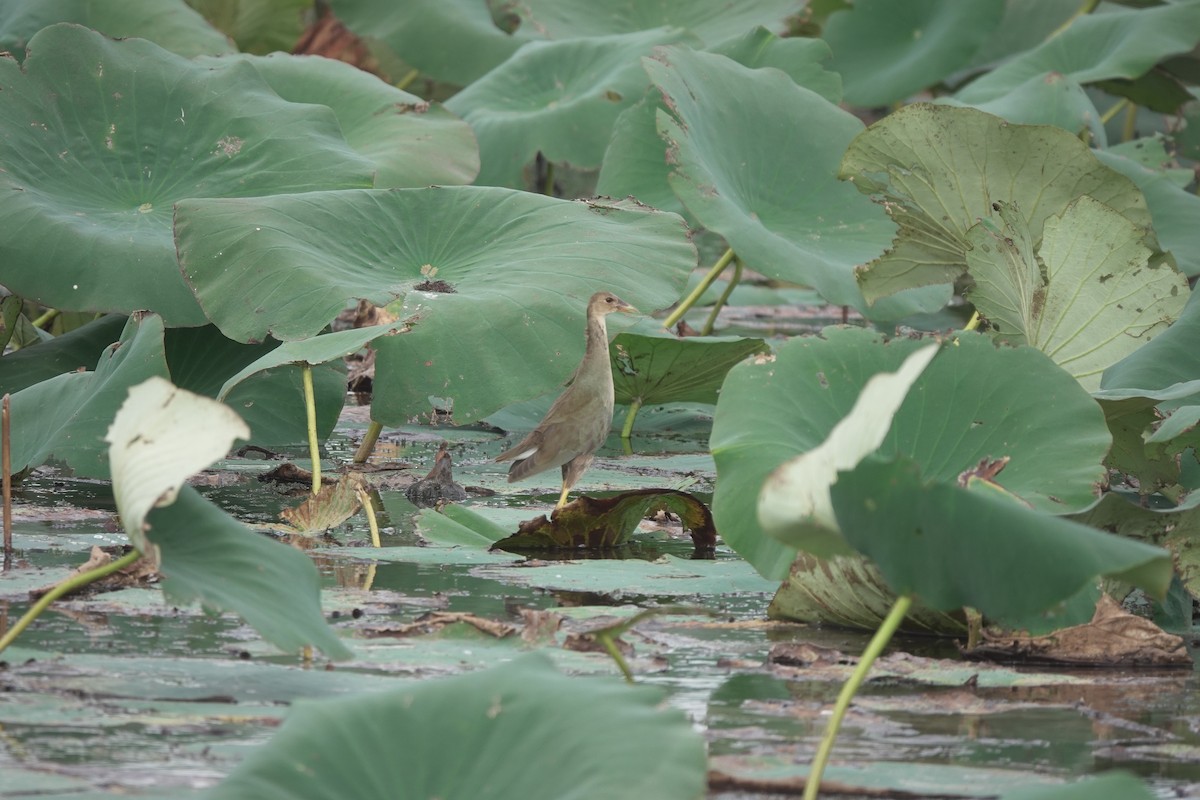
334	504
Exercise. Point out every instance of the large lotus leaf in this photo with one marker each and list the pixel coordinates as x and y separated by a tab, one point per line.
271	399
557	98
1173	209
788	218
100	139
1047	100
448	40
1120	44
170	24
1110	786
661	368
211	558
1025	25
477	735
711	20
887	51
1169	359
493	282
953	547
965	407
412	142
1087	297
160	437
66	417
70	352
257	26
924	164
636	164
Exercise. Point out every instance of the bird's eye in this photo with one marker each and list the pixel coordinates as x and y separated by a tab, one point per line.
609	299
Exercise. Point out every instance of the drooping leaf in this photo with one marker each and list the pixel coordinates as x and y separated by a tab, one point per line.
557	98
711	20
662	368
463	262
160	437
411	142
66	417
458	525
794	505
70	352
1169	359
1099	299
905	522
1124	43
888	51
597	523
88	204
922	162
211	558
806	61
171	24
965	407
476	735
787	218
336	502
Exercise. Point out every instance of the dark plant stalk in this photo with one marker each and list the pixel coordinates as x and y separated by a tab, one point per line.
874	649
368	443
6	468
723	299
66	587
310	409
696	294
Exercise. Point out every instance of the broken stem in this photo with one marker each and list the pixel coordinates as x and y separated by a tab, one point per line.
369	510
724	298
627	428
367	445
310	409
874	648
700	289
66	587
6	468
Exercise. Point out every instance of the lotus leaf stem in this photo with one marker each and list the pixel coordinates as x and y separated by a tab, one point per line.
972	323
700	289
874	648
1129	131
368	443
46	318
365	498
310	409
407	80
548	186
611	647
66	587
627	428
1088	7
6	468
723	299
1113	110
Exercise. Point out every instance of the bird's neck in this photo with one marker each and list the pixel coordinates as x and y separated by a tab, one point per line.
596	348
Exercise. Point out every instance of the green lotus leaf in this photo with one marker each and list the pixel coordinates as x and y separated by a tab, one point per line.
711	20
1124	43
787	218
171	24
1166	361
964	408
160	437
211	558
1024	26
1110	786
1087	297
412	142
257	26
87	199
492	282
662	368
1046	100
979	540
71	352
804	60
888	51
922	163
66	417
557	98
476	735
448	40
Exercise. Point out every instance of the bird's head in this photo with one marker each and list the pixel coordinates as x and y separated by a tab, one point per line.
603	303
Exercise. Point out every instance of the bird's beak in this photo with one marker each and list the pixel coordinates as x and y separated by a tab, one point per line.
625	308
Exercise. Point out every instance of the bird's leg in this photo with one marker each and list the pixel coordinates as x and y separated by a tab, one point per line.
562	498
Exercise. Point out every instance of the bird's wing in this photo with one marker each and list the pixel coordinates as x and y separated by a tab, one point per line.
523	449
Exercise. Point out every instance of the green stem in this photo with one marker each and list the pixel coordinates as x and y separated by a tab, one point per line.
548	186
614	651
627	428
310	409
706	282
1129	131
66	587
1088	7
368	443
733	282
972	323
1115	109
369	509
407	80
46	318
874	648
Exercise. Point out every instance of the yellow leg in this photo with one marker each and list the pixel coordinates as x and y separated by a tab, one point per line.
562	498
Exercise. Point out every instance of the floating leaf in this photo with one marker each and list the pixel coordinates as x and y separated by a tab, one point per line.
457	525
89	205
922	163
598	523
477	735
160	437
665	369
1099	298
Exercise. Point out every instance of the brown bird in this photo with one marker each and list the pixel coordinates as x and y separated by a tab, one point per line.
437	485
578	422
